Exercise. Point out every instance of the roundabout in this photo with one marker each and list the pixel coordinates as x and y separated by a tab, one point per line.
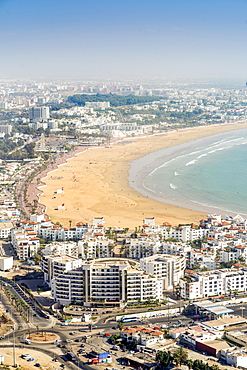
42	337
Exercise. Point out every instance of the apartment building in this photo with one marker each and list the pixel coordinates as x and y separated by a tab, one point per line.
69	287
56	232
25	243
201	259
234	253
6	226
212	283
42	113
107	281
177	248
54	266
183	233
61	248
166	268
143	246
94	246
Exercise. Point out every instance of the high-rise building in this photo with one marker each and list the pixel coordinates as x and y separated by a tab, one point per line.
39	113
107	281
6	129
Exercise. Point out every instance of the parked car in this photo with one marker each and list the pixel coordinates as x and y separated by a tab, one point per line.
25	357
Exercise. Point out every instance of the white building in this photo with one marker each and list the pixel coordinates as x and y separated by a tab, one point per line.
143	246
60	248
107	281
25	243
6	226
212	283
165	267
97	104
235	357
7	129
183	233
6	263
54	266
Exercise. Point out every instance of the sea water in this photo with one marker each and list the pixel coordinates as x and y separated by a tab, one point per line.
204	174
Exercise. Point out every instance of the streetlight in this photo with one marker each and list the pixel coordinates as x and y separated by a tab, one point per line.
14	357
242	308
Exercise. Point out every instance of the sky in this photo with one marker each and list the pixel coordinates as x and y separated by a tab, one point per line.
123	39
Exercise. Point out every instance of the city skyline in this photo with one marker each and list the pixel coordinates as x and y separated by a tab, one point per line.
123	40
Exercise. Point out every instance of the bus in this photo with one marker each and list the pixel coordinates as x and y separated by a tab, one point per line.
129	319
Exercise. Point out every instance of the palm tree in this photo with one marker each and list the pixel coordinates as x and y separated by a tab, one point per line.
190	363
164	358
180	355
214	367
120	326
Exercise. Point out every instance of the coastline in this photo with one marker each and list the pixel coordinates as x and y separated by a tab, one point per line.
143	168
96	182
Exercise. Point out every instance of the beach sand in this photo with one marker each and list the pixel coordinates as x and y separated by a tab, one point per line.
95	183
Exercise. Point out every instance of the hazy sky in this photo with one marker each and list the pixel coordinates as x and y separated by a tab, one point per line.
123	38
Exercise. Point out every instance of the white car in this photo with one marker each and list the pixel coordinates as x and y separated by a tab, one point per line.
25	357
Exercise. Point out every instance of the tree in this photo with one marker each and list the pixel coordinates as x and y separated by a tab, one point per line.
120	326
164	359
190	364
214	367
180	355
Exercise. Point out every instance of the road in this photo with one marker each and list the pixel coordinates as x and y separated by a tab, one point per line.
82	329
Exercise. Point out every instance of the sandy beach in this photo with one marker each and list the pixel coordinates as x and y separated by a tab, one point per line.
95	183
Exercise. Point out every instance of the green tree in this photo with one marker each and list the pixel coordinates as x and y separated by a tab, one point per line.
190	364
120	326
180	355
164	359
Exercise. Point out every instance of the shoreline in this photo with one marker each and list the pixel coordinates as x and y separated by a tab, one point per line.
142	168
96	182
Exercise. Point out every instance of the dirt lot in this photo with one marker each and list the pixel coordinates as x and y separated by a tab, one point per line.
44	360
43	337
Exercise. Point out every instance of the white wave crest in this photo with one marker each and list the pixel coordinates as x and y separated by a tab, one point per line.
191	162
172	186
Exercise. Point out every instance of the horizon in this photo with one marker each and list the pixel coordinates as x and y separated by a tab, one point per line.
116	40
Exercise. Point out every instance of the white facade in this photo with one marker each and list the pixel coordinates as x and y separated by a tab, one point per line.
142	247
101	281
6	263
60	248
94	247
54	266
184	233
206	284
236	357
6	227
167	268
25	243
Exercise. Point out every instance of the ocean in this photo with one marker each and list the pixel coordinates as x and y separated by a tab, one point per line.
208	174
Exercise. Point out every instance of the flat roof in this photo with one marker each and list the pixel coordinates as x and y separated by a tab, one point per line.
225	321
217	344
220	310
205	304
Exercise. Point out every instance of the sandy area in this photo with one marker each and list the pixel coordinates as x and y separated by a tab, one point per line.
44	360
95	183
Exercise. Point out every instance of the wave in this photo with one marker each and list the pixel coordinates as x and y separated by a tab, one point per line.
202	155
172	186
191	162
176	173
219	207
